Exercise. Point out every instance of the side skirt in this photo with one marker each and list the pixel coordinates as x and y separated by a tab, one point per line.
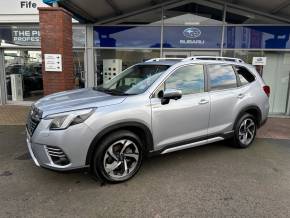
192	143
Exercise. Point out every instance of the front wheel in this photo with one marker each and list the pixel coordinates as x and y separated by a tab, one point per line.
245	131
118	157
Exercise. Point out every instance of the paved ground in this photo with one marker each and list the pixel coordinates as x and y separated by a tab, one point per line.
13	115
275	128
209	181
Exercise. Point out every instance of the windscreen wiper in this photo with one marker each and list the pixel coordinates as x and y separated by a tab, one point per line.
111	91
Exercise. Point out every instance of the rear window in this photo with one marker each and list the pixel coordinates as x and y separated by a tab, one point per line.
244	75
221	77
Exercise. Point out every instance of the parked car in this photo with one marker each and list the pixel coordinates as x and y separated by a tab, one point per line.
155	107
31	77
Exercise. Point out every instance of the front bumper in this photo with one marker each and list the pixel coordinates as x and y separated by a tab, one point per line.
30	149
72	142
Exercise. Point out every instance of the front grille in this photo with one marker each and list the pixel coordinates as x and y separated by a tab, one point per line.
57	155
31	125
33	119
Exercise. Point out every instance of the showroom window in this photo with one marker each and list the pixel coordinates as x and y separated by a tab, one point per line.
114	61
23	75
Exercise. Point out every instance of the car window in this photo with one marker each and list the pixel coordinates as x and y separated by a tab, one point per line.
188	79
244	75
221	77
134	80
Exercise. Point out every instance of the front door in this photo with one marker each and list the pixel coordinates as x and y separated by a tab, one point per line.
185	120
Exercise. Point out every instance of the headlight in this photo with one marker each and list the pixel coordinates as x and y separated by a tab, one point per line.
64	120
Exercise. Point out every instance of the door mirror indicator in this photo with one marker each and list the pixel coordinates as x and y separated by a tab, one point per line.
169	94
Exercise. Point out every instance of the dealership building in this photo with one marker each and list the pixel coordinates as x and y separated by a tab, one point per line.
69	44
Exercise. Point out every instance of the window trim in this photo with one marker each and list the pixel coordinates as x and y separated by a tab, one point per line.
206	88
208	77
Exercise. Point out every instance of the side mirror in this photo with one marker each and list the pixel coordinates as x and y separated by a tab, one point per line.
169	94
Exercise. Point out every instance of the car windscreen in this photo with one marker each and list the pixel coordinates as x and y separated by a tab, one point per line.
134	80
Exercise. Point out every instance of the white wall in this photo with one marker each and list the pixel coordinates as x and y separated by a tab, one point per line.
20	11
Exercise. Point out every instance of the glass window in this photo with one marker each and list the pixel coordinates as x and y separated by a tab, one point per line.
245	55
221	77
244	75
194	14
257	37
188	79
151	17
127	36
23	75
237	16
79	36
133	81
79	68
112	61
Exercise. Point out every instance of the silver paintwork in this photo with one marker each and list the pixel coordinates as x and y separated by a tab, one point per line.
191	145
191	117
28	142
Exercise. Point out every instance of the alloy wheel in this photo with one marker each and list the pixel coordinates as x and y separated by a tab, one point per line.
247	131
121	159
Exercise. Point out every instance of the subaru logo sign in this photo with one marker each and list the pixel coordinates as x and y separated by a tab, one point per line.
192	32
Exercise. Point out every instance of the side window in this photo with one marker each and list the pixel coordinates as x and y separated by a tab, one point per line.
244	75
188	79
221	77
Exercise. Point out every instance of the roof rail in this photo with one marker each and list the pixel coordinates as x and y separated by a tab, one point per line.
217	58
164	59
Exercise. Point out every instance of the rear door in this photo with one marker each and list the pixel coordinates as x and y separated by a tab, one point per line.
224	96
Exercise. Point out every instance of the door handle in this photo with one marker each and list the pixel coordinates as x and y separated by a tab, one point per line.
241	95
203	101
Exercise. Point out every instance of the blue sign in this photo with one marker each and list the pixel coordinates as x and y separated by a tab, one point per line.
127	36
192	37
207	37
192	32
257	37
50	2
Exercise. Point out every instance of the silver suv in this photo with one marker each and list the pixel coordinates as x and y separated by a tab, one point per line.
155	107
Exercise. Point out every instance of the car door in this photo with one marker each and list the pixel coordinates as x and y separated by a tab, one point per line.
224	97
184	120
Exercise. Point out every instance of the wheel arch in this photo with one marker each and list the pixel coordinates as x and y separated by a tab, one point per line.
138	128
253	110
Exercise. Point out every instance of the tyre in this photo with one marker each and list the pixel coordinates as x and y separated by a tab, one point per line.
118	157
245	131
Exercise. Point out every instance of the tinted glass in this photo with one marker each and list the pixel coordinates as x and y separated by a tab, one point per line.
189	80
244	75
221	77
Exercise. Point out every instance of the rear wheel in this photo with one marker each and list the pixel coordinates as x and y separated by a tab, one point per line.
118	157
245	131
